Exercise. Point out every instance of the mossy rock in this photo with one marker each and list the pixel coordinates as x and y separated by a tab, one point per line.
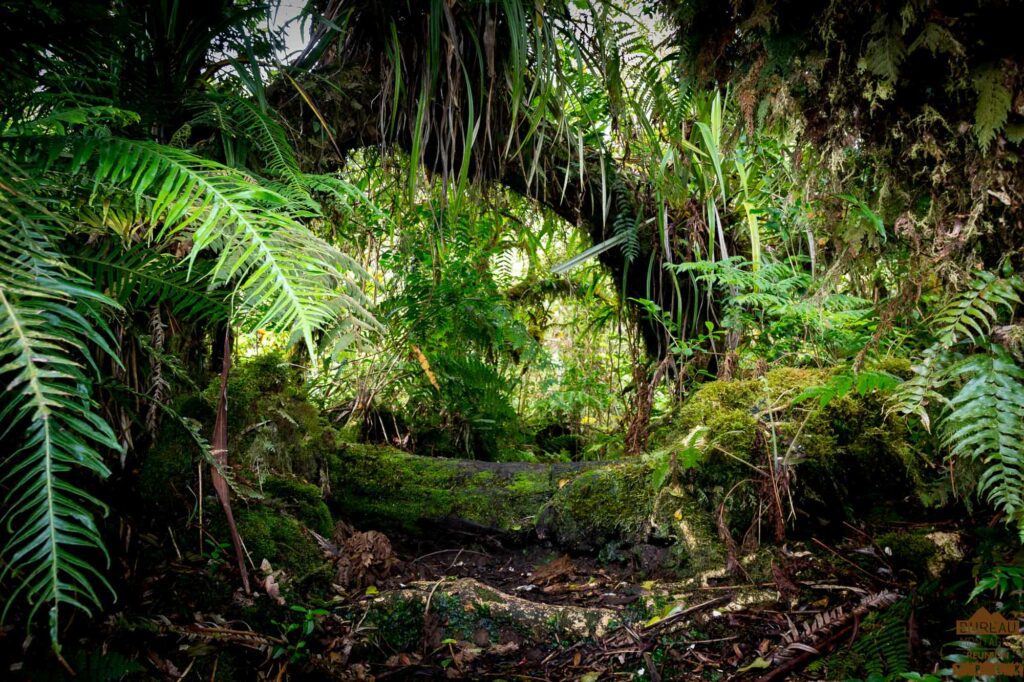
269	532
304	500
924	552
612	503
278	538
620	504
908	550
846	457
272	428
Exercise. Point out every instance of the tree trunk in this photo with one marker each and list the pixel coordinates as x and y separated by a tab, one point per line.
220	452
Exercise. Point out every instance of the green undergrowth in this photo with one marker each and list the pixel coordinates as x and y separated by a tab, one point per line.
840	460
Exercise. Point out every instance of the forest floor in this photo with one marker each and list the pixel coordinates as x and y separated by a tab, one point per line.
641	624
720	627
471	603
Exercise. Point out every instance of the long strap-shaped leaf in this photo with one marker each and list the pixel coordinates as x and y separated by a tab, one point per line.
46	317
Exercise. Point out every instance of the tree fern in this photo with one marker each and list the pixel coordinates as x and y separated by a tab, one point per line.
47	312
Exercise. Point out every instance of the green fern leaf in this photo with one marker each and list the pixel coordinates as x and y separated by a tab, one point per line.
285	277
242	118
970	315
993	107
885	52
48	312
138	277
984	421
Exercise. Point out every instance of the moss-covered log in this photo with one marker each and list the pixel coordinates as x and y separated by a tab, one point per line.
659	508
831	463
578	506
389	487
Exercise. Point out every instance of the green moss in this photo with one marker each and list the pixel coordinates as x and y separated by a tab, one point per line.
716	397
600	506
394	488
901	367
168	467
486	595
580	509
618	503
279	538
910	550
269	532
845	452
302	499
398	622
694	545
272	426
530	483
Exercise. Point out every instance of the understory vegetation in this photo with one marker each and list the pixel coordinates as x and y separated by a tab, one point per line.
696	319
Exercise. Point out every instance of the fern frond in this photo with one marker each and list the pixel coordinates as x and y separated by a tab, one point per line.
285	276
984	421
914	395
626	223
139	277
883	643
244	119
970	315
48	312
994	104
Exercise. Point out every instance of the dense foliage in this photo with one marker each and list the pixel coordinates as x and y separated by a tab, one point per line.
507	231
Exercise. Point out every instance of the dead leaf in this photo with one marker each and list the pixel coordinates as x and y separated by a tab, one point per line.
272	589
782	581
560	568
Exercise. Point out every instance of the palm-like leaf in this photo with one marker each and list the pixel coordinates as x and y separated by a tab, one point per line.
48	311
284	275
139	277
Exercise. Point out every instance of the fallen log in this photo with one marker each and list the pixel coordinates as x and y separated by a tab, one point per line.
581	506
